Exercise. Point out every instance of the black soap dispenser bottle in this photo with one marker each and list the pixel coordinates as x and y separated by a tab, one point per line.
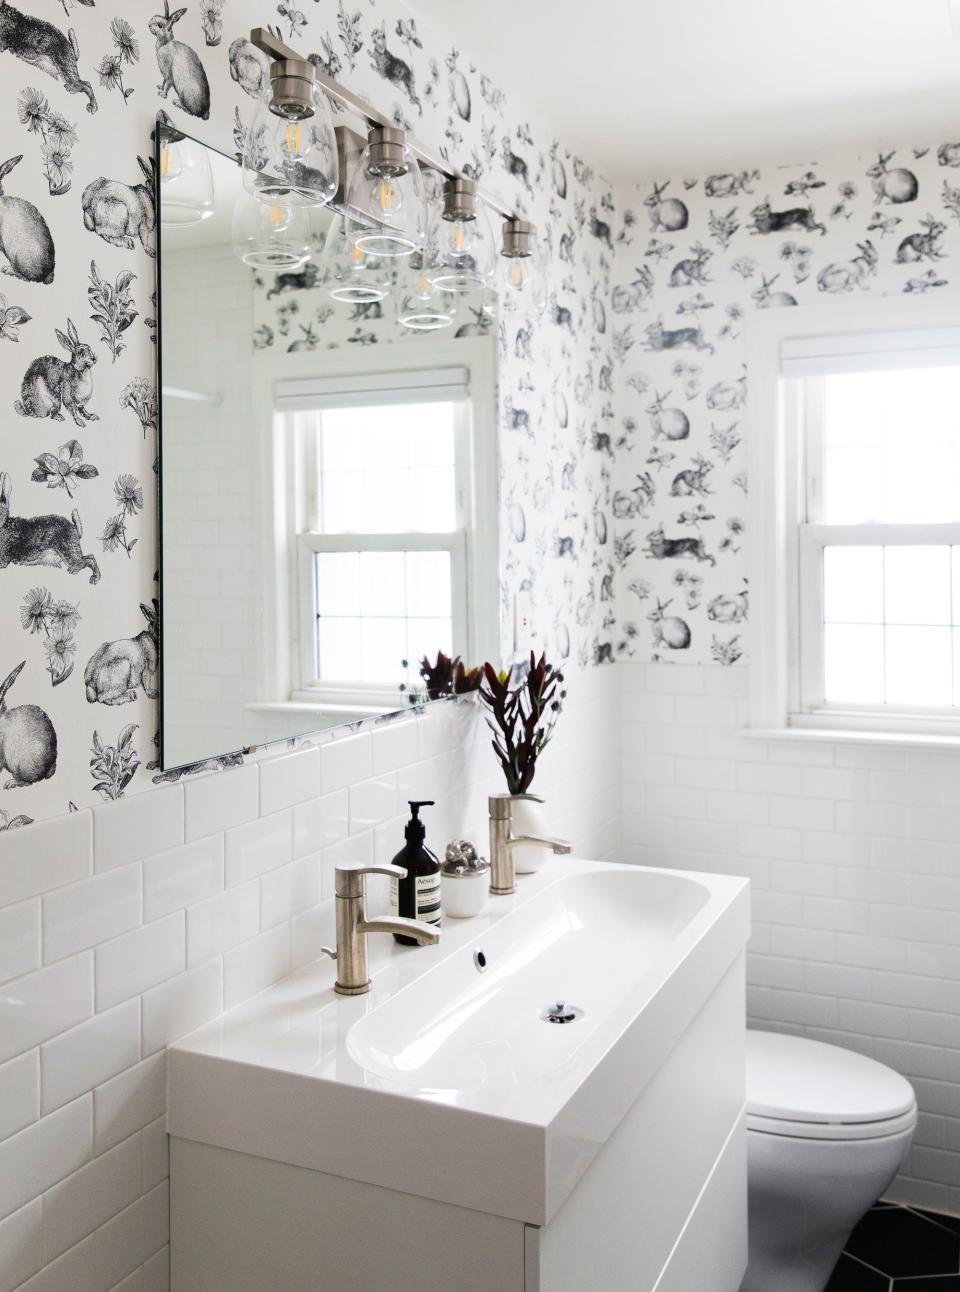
418	895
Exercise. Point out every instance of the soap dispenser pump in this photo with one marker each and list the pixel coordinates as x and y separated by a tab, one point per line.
418	895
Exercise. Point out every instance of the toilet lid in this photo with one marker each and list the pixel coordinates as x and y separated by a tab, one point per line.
793	1079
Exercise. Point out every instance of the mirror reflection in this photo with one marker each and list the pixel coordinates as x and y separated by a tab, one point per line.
328	468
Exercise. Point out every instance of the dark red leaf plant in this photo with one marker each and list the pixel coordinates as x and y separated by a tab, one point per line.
522	718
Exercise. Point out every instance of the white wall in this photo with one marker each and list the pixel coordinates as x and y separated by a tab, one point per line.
124	927
852	853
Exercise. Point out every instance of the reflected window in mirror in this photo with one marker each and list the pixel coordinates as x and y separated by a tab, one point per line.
387	497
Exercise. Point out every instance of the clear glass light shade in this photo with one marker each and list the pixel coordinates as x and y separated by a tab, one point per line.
521	283
349	274
292	160
421	306
387	213
271	236
462	252
186	181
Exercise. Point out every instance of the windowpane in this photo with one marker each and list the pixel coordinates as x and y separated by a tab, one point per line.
853	585
919	666
338	583
853	664
338	642
394	463
428	584
917	585
427	636
890	446
375	609
908	593
382	584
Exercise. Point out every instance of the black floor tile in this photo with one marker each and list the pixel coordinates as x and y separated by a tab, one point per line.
850	1276
905	1244
933	1283
948	1222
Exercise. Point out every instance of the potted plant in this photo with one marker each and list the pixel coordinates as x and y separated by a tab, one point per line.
446	677
523	718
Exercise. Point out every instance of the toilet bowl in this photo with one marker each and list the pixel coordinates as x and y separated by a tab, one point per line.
827	1131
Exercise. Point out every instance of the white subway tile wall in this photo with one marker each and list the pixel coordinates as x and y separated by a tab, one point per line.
124	928
854	856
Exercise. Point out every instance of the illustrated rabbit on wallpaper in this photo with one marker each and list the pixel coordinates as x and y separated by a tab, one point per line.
118	669
768	300
671	423
391	68
669	630
24	235
44	46
693	480
666	213
693	270
28	741
42	540
845	275
922	246
120	213
894	186
180	66
50	384
661	548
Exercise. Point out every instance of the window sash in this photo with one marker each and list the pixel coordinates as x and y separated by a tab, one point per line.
810	634
359	692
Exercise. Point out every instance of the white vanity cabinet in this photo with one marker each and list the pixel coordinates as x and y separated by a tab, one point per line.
645	1192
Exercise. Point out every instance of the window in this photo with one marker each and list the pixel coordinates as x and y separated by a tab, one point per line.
880	541
861	509
385	525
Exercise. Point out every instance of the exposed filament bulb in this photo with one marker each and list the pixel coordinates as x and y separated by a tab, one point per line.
294	139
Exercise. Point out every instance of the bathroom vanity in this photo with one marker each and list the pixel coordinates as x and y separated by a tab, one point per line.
445	1132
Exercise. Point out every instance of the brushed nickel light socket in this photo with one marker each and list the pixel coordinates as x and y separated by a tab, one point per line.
518	238
460	200
292	87
388	151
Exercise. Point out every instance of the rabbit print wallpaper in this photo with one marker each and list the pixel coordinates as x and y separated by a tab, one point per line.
82	83
696	258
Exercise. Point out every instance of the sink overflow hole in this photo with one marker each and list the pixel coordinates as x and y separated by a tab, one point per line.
561	1012
480	960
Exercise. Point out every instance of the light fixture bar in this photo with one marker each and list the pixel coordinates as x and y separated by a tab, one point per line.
279	52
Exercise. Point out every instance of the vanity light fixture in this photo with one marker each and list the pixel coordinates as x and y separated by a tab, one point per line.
291	154
386	207
290	151
185	176
521	276
461	242
272	236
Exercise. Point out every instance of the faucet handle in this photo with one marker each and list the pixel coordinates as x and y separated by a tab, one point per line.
349	879
500	804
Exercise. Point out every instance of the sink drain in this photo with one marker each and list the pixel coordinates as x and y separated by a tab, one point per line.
561	1012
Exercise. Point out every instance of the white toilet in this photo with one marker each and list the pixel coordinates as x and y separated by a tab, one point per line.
827	1130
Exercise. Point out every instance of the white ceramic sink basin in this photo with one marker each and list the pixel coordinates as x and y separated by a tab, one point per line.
512	1109
477	1020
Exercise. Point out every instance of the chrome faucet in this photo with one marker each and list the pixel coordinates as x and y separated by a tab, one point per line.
502	842
353	927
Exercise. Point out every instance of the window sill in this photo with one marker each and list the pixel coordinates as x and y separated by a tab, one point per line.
838	736
344	711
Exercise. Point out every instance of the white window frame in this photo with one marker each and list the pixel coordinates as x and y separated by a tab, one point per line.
284	647
785	559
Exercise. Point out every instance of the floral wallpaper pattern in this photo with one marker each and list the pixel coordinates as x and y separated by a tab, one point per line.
696	258
83	82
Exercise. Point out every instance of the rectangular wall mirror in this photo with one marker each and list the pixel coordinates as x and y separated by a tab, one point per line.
328	472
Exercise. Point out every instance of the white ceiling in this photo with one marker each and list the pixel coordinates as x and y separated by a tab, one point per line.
642	87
